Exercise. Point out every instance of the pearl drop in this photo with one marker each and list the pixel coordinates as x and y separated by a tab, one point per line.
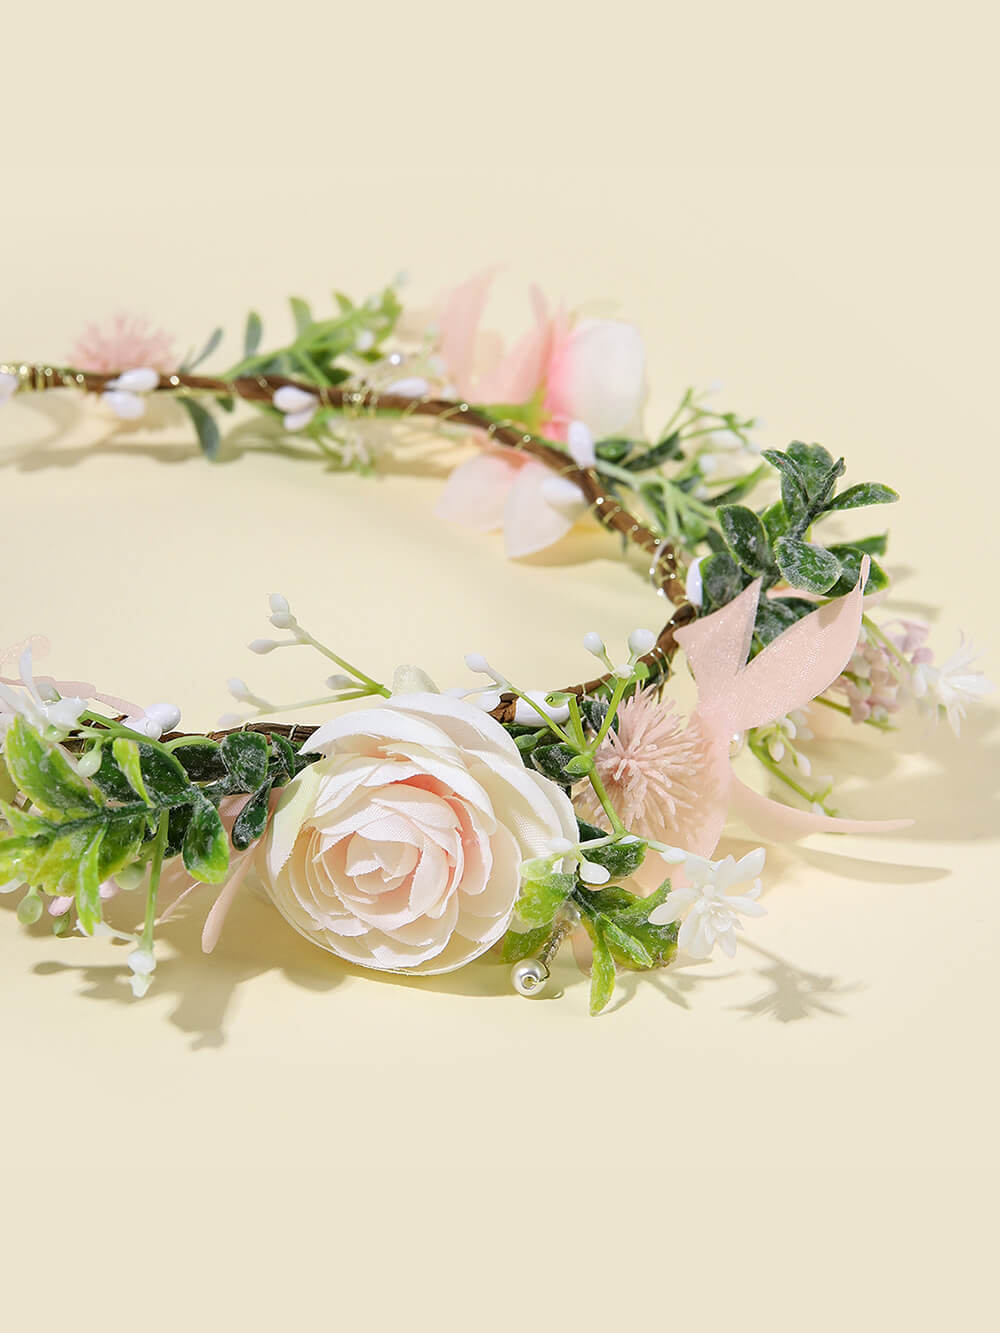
528	977
736	743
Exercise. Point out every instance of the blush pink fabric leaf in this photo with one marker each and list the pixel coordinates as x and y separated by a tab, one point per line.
717	646
799	664
788	674
775	822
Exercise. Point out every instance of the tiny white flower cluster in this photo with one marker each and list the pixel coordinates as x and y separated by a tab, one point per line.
9	385
706	907
531	710
126	393
640	642
299	406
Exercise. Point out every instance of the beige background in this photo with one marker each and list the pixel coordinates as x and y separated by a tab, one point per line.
798	200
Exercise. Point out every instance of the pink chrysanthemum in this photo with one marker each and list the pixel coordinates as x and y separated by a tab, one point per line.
124	343
653	768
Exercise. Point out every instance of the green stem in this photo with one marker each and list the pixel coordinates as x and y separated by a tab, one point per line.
617	827
303	636
814	798
155	867
621	685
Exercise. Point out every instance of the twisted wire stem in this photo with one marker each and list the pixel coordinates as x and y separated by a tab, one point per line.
664	570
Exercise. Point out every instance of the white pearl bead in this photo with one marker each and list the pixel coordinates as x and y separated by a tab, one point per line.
528	977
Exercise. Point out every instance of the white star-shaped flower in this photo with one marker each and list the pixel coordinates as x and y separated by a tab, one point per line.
709	913
948	689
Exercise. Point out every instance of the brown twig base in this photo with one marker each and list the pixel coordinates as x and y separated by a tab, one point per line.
664	569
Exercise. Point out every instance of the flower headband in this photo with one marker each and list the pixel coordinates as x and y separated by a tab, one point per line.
418	834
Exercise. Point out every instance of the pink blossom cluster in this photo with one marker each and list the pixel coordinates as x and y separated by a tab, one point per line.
879	678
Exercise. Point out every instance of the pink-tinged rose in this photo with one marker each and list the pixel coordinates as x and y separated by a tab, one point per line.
589	370
586	376
597	374
399	848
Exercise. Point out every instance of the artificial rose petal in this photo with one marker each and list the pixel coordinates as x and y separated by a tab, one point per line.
598	375
459	325
417	868
476	492
530	521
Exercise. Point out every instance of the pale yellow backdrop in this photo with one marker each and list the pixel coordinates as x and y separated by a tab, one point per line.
799	200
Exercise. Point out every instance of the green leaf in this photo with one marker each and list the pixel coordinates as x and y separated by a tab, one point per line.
794	490
252	819
602	975
877	545
552	760
850	558
301	313
746	538
23	824
613	450
805	565
620	859
284	765
813	461
214	338
629	912
629	946
123	838
205	425
775	520
88	884
668	448
864	493
252	334
201	762
245	755
206	847
541	898
721	579
43	772
164	775
126	756
522	944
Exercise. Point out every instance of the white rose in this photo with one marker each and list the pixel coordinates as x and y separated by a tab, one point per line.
400	848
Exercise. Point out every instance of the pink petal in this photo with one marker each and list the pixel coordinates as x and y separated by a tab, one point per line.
216	918
459	324
775	822
475	493
530	523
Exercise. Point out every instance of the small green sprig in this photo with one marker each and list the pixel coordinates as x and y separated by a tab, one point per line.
124	807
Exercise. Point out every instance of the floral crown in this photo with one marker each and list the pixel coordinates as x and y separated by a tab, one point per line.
418	834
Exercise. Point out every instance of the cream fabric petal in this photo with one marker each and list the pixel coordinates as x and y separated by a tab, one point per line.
475	494
530	522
